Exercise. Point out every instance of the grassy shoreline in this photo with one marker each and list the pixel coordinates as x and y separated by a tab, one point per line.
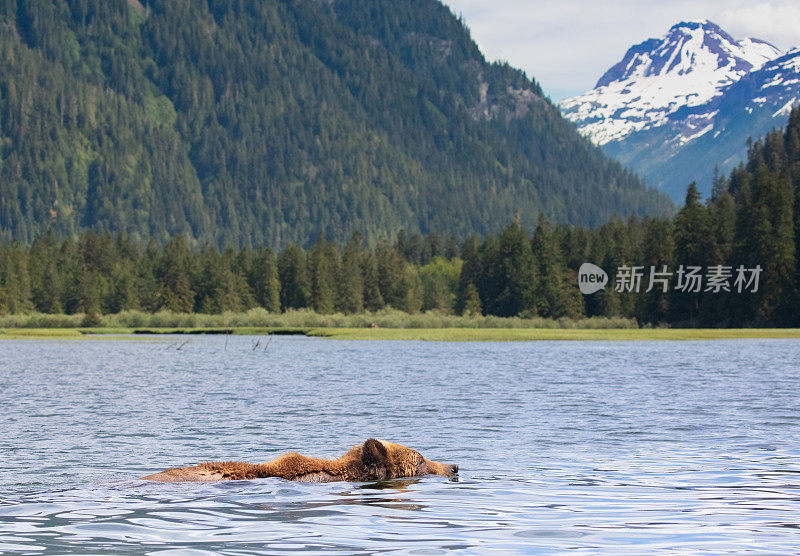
295	319
387	324
424	334
556	334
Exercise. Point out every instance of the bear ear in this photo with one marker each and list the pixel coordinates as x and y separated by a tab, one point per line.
374	452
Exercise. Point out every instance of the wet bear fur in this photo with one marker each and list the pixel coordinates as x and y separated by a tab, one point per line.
371	461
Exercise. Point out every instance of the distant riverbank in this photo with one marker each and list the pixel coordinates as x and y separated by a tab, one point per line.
428	334
381	325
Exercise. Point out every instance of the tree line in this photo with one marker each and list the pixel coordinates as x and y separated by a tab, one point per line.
751	221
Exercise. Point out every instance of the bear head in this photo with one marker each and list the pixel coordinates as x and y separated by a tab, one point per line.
386	460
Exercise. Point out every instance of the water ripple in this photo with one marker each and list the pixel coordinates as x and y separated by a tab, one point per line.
613	447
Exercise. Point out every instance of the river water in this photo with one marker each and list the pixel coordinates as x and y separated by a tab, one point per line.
599	447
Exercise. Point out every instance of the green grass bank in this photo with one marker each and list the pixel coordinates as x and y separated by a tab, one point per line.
304	318
425	334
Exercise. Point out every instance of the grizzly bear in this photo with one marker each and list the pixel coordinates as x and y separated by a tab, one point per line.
373	460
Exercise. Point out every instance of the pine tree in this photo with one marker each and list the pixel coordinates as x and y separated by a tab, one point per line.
719	184
391	269
555	297
451	250
489	279
215	286
792	142
293	274
324	268
612	248
148	289
172	272
351	279
264	281
658	259
515	273
43	267
694	247
773	213
408	291
15	280
471	303
123	295
468	297
373	300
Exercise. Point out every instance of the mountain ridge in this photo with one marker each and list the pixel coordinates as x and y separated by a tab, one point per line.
270	123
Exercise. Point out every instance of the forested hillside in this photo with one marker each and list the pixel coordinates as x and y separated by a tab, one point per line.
265	123
752	222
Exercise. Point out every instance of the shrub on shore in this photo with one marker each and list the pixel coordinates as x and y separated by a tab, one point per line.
303	318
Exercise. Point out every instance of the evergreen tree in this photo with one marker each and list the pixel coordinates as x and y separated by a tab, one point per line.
694	248
719	185
46	284
47	293
658	253
264	280
516	278
15	293
148	288
433	248
488	277
215	286
555	296
82	292
408	291
351	279
293	275
172	272
468	299
324	269
612	249
451	249
391	270
471	304
792	142
373	300
123	295
773	233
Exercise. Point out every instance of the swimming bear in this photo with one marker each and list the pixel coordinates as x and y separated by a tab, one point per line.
371	461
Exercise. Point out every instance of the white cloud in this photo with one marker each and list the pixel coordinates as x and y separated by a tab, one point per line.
567	45
778	23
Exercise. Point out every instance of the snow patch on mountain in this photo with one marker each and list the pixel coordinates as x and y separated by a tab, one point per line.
777	84
786	109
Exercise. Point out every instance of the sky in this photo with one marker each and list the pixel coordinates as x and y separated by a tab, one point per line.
566	45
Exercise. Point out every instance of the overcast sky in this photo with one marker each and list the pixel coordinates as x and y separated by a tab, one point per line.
566	45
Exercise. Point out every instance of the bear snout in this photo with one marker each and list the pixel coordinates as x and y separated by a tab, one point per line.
443	469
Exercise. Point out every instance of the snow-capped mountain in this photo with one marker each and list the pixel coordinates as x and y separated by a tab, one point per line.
689	66
676	107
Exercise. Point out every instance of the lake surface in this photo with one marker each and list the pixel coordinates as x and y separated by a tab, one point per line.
614	447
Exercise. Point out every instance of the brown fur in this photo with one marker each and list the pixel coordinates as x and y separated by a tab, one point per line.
370	461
